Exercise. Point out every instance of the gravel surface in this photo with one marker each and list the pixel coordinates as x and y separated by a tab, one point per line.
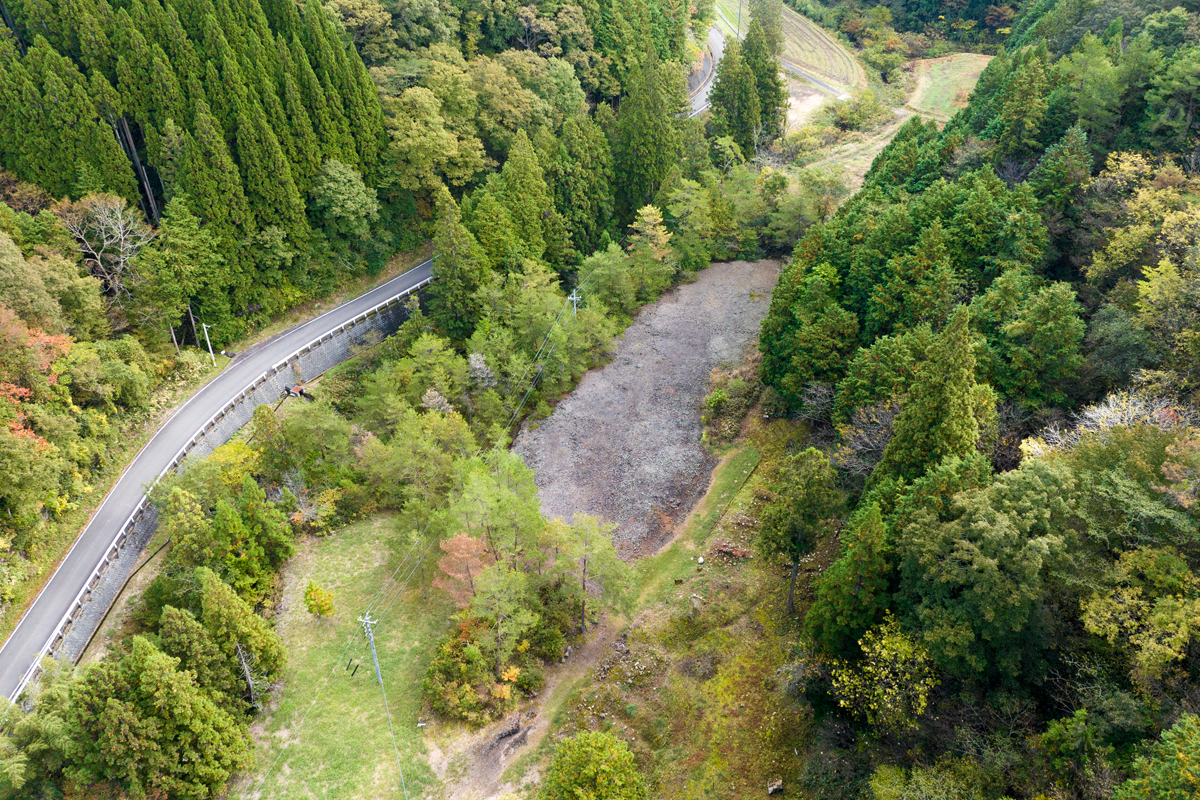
625	445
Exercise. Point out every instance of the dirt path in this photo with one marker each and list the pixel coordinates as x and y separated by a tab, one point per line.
855	158
472	764
625	445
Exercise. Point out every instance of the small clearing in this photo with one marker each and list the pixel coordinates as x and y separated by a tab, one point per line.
805	102
626	444
855	156
944	84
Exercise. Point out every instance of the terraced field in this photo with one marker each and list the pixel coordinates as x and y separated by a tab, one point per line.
806	45
944	84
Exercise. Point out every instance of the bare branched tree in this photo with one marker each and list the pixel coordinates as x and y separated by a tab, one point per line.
110	235
1119	409
864	439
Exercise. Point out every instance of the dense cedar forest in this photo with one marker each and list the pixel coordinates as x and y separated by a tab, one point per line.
991	349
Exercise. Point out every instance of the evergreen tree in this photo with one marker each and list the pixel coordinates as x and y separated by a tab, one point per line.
143	704
803	504
852	593
921	287
183	260
580	176
763	64
734	99
522	189
210	180
648	141
1024	110
329	122
180	635
147	84
946	410
808	336
768	14
1062	169
267	176
172	150
231	621
494	230
460	270
306	148
1173	103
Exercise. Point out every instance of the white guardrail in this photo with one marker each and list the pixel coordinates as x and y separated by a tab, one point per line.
64	625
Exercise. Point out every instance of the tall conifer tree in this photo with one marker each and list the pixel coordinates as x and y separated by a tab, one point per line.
522	190
210	179
734	100
945	407
268	177
460	270
648	142
764	66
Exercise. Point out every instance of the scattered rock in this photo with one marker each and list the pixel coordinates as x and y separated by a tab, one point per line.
626	444
775	785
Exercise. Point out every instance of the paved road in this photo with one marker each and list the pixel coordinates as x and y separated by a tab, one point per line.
41	621
716	45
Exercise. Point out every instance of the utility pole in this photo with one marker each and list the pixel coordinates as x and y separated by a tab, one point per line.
206	339
575	298
367	622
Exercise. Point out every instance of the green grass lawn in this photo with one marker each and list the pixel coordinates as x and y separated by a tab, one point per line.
657	574
943	85
328	736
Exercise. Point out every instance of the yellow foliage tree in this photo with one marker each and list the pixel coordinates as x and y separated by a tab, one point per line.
890	685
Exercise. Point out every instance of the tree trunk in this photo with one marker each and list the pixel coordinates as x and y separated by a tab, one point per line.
583	599
499	641
791	604
174	341
193	319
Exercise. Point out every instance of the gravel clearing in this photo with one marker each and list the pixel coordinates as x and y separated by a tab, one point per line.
625	445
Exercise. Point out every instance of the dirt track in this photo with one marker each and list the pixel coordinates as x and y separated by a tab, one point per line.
625	445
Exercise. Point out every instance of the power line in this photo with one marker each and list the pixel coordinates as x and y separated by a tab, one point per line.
367	622
391	594
283	747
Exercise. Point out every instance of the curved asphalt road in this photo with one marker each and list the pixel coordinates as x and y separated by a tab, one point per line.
716	45
41	621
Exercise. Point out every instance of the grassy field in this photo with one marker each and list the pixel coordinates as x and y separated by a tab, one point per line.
806	45
327	736
943	85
